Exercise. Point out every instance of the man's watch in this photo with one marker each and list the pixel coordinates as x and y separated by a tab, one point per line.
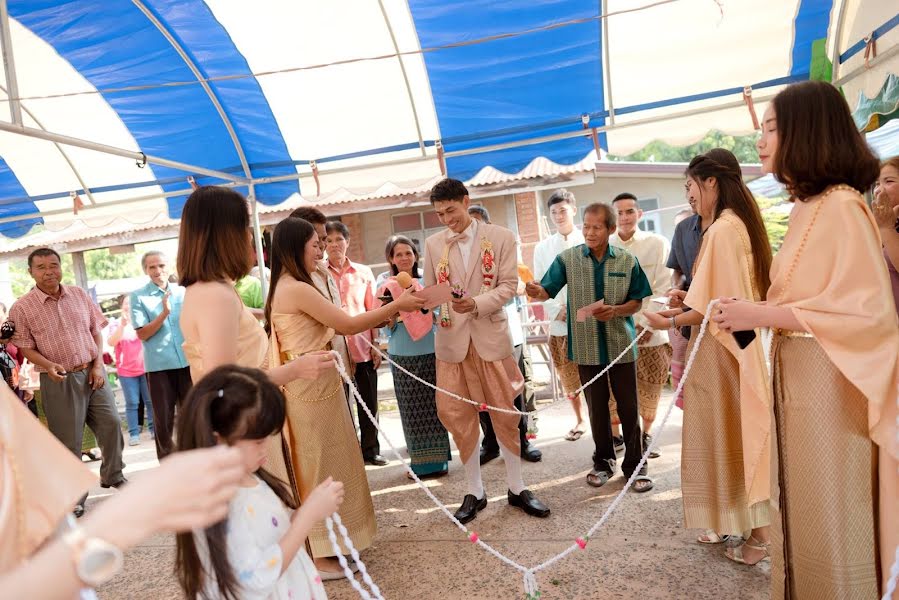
96	561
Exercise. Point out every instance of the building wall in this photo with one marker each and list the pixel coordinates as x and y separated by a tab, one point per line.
524	213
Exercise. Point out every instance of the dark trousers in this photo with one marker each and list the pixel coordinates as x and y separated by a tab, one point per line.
525	398
167	390
623	380
366	377
70	404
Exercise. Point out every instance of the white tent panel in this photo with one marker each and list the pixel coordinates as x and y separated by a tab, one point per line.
863	17
342	108
44	169
645	66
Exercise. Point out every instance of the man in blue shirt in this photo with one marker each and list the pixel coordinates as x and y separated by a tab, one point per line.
155	315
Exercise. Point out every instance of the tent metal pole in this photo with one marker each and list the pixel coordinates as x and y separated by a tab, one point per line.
606	63
9	65
837	34
862	69
139	157
257	236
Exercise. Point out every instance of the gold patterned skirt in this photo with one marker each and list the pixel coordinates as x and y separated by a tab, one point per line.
824	493
322	443
712	481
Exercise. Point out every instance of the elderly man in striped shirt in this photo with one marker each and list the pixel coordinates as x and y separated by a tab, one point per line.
58	329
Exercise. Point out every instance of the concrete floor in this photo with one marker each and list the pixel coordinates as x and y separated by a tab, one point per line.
642	551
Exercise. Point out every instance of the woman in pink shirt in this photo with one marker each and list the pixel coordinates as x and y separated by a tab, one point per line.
129	360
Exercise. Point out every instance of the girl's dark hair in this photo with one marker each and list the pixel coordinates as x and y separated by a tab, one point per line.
236	403
392	243
288	257
733	194
213	244
818	144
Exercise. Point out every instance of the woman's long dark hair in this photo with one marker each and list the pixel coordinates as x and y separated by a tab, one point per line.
733	194
818	143
236	403
288	256
392	243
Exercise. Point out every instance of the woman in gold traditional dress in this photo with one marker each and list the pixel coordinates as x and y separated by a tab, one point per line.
835	356
321	440
214	251
726	433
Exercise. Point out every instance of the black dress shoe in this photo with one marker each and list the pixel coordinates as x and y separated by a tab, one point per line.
115	485
376	460
79	511
531	453
528	503
488	454
470	508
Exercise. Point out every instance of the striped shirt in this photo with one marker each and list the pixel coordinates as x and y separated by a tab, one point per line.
61	329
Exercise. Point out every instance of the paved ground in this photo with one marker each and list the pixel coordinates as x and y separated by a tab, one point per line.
642	552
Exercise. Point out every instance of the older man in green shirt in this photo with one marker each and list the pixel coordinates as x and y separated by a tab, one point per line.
594	272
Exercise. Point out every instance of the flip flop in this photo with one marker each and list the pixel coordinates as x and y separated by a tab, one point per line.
574	435
712	537
644	489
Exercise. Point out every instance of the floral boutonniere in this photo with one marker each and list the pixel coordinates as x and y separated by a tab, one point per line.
488	264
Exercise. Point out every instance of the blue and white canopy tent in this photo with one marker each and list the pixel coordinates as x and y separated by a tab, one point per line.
286	99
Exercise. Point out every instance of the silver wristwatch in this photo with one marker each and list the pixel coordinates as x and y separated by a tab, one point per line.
96	560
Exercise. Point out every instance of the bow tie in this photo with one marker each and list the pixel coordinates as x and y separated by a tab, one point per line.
458	237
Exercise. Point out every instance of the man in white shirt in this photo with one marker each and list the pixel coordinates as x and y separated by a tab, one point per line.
562	208
654	351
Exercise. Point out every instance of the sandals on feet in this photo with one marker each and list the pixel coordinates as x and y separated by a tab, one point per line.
597	478
647	484
712	537
736	554
574	435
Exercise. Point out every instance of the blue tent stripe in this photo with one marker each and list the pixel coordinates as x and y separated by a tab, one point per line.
812	20
10	186
860	45
510	85
176	122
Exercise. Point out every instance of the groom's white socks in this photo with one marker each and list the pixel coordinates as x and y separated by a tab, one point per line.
473	474
513	470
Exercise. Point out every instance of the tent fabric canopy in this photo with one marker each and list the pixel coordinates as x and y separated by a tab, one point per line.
305	98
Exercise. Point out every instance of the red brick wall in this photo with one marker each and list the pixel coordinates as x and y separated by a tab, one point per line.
356	251
528	224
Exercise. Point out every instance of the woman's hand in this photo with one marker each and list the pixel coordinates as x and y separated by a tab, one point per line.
408	301
736	315
676	298
189	490
324	500
884	215
657	320
312	365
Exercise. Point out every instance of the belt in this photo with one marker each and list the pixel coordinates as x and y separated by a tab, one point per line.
289	355
81	367
791	334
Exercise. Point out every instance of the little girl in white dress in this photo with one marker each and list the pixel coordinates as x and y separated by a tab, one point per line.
257	552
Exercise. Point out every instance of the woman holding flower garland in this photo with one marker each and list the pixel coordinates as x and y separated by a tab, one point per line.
319	434
835	356
411	346
726	450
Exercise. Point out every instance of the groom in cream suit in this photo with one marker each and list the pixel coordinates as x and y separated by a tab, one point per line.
473	342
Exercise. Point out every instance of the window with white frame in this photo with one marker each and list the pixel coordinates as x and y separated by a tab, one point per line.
651	222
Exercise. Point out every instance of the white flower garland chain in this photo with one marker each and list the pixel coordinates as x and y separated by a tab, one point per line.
532	591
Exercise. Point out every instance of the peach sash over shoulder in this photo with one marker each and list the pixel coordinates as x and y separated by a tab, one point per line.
725	269
839	290
251	344
40	481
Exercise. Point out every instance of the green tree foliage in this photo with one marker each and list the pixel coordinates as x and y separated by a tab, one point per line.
100	265
743	147
775	221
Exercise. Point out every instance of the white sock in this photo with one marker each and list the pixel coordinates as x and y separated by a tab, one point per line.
473	474
513	470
